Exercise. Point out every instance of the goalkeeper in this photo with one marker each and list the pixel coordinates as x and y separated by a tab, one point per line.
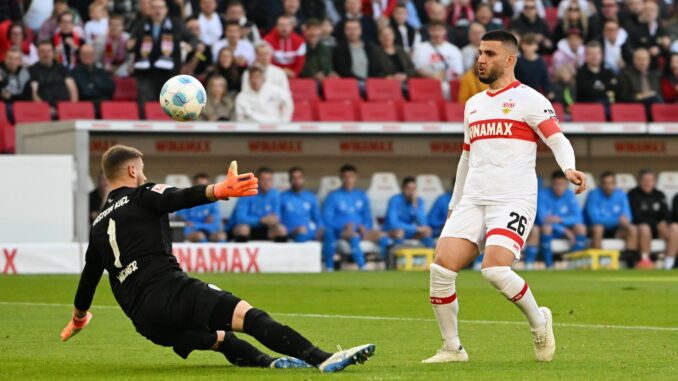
131	240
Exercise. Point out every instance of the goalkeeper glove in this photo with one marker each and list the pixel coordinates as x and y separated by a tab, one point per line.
75	325
236	185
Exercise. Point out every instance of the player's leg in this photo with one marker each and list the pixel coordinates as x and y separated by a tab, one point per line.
579	231
195	236
277	233
671	247
329	247
425	235
354	238
382	240
597	233
532	248
545	243
645	234
241	233
397	235
218	236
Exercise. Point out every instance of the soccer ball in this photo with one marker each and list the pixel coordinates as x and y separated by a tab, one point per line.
183	98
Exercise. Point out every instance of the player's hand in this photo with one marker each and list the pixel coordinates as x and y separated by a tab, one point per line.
236	185
576	178
75	325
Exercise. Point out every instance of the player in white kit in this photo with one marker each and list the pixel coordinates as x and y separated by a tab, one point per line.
495	197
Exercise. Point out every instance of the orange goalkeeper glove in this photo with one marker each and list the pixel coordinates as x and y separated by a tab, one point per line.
236	185
75	325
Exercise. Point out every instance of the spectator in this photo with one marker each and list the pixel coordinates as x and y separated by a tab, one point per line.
211	24
530	67
575	20
561	217
227	68
437	14
571	52
639	83
235	12
289	48
586	8
613	40
347	215
242	48
501	10
470	85
318	62
203	222
438	59
144	11
609	11
219	105
157	51
630	15
97	196
437	215
17	36
292	9
380	10
258	217
354	57
49	27
469	52
110	48
262	102
67	41
484	17
392	59
540	9
670	80
595	83
406	36
94	84
274	75
196	61
299	209
14	77
609	214
530	22
51	82
647	33
563	88
97	26
331	13
651	215
405	216
354	12
460	15
672	25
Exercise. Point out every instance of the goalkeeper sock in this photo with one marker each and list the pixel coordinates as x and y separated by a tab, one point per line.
445	304
515	289
546	250
189	341
281	338
241	353
579	243
357	252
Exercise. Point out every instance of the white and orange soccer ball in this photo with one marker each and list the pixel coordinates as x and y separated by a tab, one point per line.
183	98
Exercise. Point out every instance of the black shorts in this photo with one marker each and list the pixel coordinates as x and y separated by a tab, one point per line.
259	233
611	232
178	304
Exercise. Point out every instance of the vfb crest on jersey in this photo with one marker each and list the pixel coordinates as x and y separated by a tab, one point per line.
507	107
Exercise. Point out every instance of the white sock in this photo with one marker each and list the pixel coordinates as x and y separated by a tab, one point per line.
645	256
515	289
669	262
445	304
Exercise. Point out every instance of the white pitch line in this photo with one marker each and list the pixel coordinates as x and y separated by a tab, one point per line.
395	318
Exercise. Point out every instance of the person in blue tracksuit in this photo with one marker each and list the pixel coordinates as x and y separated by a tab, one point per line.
437	216
258	217
406	217
203	222
299	209
608	213
346	214
560	216
531	248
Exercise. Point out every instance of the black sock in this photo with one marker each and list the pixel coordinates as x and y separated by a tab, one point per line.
241	238
241	353
280	239
281	338
188	341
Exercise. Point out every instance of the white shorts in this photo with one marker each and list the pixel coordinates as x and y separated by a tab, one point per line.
506	225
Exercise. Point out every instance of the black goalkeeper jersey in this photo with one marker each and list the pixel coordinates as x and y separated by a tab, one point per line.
131	240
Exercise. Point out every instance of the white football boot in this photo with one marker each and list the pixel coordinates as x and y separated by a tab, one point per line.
446	355
544	340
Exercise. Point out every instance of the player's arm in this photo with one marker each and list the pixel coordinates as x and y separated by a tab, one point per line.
89	279
462	169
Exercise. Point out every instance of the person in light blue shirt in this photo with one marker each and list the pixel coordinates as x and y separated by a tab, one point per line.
608	213
346	214
258	217
560	216
406	217
203	222
299	209
437	216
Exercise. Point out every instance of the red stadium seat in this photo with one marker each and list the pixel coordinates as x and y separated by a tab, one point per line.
341	89
552	18
587	112
548	60
628	112
421	112
382	89
337	111
30	112
425	89
303	111
113	110
454	90
662	112
379	112
454	112
6	131
75	110
560	111
304	89
153	111
125	89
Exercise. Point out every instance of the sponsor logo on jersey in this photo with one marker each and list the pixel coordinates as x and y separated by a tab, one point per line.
473	112
107	211
491	129
507	107
160	188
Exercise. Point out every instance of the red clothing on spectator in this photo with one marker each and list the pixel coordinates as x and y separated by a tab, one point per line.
288	53
669	91
5	44
387	7
67	56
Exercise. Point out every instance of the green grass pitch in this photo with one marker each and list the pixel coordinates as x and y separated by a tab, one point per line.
608	325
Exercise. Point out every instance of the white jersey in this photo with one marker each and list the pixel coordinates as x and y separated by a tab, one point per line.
501	131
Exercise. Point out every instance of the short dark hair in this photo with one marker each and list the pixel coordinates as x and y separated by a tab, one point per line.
503	36
529	39
230	23
645	171
407	180
234	3
313	23
264	169
347	168
436	24
115	157
606	174
295	169
46	42
200	175
594	44
116	16
64	13
558	174
352	21
256	68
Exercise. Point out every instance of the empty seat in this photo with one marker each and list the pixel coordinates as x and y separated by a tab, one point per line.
662	112
341	89
30	112
327	185
178	180
587	112
303	111
304	89
281	181
226	207
424	89
378	112
341	111
383	186
667	182
628	112
421	112
153	111
382	89
75	110
125	89
590	185
454	90
429	187
113	110
6	131
625	181
454	112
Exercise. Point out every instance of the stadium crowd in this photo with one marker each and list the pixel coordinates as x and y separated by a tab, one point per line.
601	51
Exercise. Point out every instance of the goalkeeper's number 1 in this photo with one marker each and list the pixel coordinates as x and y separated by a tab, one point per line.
114	243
